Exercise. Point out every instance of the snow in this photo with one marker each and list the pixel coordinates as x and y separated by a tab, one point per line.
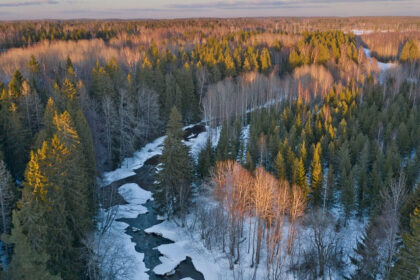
120	250
383	67
185	245
135	197
115	245
244	139
213	264
136	161
196	144
361	31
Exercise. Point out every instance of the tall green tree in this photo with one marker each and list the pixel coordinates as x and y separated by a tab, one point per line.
205	160
173	190
316	176
407	266
27	263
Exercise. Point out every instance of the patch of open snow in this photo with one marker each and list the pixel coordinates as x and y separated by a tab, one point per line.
197	144
135	197
361	31
175	253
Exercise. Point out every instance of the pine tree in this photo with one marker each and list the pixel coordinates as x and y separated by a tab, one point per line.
56	207
15	136
408	264
279	166
15	85
27	263
33	65
174	179
299	175
265	61
410	51
316	176
205	160
323	55
366	258
8	196
222	149
295	59
346	179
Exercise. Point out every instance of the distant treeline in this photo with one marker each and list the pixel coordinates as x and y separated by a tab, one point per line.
24	33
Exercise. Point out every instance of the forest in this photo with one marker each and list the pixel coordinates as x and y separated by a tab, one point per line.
248	148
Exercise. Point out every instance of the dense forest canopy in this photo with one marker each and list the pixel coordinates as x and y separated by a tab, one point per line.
317	127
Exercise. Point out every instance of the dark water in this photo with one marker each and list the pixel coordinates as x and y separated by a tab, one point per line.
146	243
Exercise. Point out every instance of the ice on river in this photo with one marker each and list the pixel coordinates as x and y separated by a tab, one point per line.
115	245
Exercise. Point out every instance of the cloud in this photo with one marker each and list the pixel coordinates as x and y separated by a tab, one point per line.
28	3
267	4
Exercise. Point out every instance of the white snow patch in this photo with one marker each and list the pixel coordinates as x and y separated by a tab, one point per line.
173	254
135	197
361	31
197	144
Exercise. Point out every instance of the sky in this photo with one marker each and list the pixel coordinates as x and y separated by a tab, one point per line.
128	9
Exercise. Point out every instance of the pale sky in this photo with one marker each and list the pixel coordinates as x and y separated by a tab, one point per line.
128	9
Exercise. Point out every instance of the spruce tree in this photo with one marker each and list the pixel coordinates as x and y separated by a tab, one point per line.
299	176
8	197
279	166
316	176
173	190
222	149
205	160
27	263
265	61
408	264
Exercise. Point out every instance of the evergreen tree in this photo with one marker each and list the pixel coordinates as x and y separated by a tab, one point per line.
346	179
300	175
27	263
14	134
408	265
174	179
366	258
410	51
265	61
316	176
15	85
205	160
56	205
279	166
8	197
222	149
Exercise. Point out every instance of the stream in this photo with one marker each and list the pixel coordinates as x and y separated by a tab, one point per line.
144	242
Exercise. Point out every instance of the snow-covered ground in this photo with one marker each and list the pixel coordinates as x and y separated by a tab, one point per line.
361	31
